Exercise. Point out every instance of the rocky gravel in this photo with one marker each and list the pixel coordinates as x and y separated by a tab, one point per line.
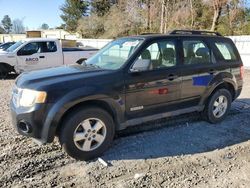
184	151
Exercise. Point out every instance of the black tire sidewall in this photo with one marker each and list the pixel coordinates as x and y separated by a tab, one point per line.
71	123
209	112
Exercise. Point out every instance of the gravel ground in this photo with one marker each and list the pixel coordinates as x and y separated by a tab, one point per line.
181	152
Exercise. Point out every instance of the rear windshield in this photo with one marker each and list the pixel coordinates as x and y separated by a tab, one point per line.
226	50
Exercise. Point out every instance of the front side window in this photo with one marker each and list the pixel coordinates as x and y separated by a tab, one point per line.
226	51
161	54
38	47
196	52
115	54
29	49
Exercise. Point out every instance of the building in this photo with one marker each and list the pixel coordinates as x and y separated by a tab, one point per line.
11	37
51	33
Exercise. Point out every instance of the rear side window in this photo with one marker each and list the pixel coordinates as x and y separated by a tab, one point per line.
226	50
196	52
48	47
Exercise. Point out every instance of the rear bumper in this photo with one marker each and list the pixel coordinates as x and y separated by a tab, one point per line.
237	93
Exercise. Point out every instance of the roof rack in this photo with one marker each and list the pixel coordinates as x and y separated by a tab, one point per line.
149	33
194	32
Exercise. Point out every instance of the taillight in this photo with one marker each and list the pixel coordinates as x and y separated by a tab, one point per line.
241	72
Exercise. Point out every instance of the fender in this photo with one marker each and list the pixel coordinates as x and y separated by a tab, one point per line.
223	77
72	99
6	67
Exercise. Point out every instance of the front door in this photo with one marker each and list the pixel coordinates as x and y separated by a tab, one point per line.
38	55
155	89
28	57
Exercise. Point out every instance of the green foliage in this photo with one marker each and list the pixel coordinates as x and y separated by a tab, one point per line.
73	10
7	25
115	18
100	7
2	31
45	26
62	26
91	26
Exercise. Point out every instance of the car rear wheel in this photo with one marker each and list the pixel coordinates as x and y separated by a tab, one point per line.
218	106
87	133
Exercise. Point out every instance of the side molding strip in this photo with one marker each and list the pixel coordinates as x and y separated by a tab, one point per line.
141	120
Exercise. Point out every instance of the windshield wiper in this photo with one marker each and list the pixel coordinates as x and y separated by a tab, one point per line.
93	65
90	65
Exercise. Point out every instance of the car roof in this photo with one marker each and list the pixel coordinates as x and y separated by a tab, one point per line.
39	39
155	36
180	33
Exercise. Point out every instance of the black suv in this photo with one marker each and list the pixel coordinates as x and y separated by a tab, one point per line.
130	81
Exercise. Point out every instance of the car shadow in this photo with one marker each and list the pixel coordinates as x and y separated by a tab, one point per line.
182	135
9	77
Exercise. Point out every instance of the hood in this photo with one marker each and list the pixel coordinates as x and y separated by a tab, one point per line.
36	79
2	52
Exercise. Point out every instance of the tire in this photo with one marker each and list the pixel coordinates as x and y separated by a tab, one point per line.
87	133
3	71
222	99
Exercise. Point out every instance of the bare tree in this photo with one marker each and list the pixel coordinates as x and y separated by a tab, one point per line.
162	16
149	15
217	7
18	26
192	12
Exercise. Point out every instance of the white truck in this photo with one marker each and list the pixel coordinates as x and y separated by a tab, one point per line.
40	53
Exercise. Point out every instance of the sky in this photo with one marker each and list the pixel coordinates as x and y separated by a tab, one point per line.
33	12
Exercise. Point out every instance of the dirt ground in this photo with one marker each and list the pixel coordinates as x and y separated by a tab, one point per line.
181	152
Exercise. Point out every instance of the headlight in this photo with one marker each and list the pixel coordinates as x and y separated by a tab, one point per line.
30	97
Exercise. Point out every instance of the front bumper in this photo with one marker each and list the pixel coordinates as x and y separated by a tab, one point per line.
29	121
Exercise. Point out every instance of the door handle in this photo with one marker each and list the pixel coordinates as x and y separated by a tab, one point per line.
41	56
172	77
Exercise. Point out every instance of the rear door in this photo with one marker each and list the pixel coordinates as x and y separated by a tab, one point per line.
51	55
198	69
153	91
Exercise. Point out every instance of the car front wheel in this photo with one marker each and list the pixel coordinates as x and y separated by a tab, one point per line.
87	133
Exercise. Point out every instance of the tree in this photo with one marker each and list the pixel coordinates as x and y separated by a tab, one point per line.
73	10
45	26
217	7
2	31
131	17
91	26
100	7
18	26
7	25
62	26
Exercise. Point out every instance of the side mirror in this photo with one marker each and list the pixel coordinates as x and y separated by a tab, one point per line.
141	65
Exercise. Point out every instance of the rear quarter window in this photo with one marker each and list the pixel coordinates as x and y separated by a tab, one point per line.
226	50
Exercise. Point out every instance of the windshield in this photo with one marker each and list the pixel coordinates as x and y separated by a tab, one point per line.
14	46
115	54
5	46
